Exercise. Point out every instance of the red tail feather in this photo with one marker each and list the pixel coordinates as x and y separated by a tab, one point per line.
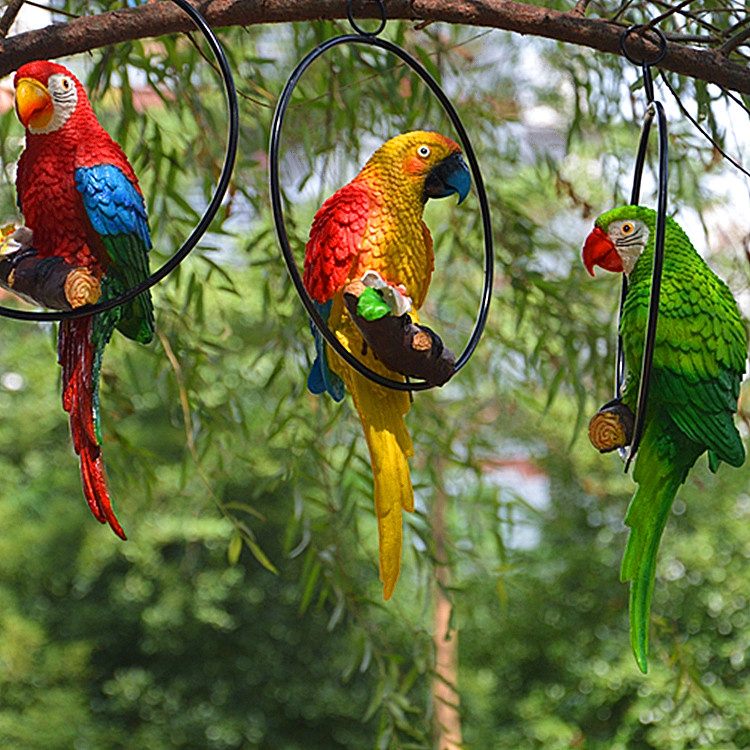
76	356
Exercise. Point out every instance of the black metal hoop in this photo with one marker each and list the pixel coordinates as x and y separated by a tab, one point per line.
358	28
278	212
206	219
654	109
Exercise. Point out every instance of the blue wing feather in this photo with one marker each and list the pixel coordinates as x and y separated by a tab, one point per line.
112	202
117	213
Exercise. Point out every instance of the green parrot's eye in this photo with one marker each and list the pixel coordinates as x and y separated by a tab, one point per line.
627	228
424	151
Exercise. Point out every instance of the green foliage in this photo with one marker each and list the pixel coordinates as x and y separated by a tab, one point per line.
245	610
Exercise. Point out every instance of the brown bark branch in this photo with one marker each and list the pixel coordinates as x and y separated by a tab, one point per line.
581	7
731	44
158	18
11	11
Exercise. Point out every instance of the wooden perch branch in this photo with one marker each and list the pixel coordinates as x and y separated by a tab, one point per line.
611	427
401	345
157	18
47	282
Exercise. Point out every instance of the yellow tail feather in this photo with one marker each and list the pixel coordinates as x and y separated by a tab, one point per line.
381	412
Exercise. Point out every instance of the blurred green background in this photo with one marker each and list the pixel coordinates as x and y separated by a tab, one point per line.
244	611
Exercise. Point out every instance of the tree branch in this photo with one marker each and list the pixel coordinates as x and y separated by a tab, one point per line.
732	43
158	18
11	11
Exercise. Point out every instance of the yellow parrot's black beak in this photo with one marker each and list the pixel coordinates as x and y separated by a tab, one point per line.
449	176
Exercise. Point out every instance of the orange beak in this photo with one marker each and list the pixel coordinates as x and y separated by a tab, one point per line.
599	250
34	105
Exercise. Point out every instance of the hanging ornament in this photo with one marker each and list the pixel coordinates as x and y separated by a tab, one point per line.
683	384
86	243
368	264
371	39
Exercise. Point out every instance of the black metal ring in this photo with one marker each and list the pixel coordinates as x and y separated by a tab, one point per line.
637	28
654	109
206	219
278	212
358	28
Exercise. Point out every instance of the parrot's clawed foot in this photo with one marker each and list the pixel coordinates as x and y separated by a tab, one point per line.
611	427
399	343
24	237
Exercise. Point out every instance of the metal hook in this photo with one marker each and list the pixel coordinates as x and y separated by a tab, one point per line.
645	64
358	28
642	29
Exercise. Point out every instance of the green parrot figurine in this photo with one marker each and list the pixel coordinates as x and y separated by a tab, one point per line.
699	360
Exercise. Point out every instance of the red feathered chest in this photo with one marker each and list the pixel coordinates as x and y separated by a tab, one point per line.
48	197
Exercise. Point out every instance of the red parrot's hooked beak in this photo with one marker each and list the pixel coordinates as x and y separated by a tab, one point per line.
599	250
34	105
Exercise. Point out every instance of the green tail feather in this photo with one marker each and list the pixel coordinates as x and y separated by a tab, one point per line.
664	459
647	517
134	319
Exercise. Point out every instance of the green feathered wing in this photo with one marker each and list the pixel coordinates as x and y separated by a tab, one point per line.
117	212
134	319
699	360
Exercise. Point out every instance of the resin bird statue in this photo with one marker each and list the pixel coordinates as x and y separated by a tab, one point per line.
698	363
81	200
369	261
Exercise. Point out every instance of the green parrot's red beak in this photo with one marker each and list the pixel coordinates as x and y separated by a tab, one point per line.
34	105
599	250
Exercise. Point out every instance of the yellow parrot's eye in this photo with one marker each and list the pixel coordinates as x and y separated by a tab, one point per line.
424	151
627	228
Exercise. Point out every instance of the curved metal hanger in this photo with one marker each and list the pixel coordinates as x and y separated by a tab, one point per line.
654	109
208	215
371	39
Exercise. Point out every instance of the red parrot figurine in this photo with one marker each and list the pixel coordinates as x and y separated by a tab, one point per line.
80	197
